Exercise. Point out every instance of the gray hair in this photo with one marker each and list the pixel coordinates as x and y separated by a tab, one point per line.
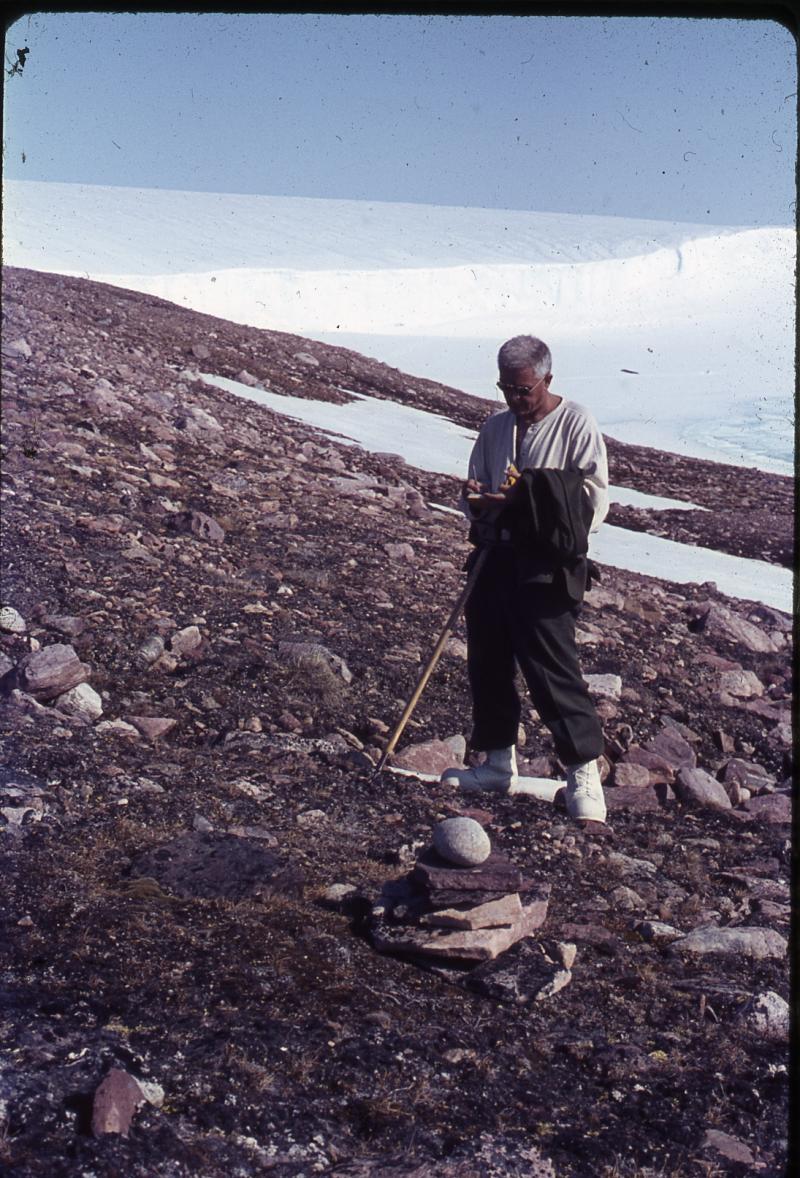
525	351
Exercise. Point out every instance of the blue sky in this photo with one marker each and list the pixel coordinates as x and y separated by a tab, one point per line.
677	119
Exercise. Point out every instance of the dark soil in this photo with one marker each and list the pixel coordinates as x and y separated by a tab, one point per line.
282	1041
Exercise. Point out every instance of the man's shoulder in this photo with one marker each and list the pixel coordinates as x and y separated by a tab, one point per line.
578	413
497	421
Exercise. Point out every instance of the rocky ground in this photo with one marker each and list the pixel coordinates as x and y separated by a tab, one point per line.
219	617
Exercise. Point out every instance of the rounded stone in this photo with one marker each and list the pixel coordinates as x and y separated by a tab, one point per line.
462	841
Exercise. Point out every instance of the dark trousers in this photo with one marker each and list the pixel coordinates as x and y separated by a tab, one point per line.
534	624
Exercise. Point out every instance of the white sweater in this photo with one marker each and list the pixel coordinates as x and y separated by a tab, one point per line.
568	438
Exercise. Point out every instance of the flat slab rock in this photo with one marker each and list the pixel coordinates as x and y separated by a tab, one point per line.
497	874
481	944
216	866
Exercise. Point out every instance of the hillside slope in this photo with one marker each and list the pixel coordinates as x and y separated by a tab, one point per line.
183	542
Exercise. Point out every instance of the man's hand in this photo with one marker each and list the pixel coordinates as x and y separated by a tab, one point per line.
478	495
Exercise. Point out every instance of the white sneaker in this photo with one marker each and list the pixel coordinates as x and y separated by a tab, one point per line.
498	773
585	798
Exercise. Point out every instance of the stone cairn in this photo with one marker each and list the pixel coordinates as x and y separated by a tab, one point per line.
462	902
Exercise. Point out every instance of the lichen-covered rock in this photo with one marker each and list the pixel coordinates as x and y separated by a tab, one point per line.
82	702
11	620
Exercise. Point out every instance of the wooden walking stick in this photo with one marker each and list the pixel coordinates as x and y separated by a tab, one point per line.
432	661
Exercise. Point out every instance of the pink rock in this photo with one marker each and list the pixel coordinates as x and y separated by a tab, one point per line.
153	726
115	1102
432	756
476	944
670	745
505	911
630	774
639	797
660	769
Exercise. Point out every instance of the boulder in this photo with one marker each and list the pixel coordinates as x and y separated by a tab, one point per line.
768	1015
699	788
50	672
757	943
674	749
719	621
81	702
740	684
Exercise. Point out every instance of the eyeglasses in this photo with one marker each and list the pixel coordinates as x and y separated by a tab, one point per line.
521	390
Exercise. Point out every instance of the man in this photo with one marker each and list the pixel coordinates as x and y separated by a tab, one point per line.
523	605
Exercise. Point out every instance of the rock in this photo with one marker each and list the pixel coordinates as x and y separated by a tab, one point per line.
675	750
193	419
699	788
529	974
756	943
17	347
306	358
197	523
606	686
429	756
151	649
153	727
6	665
82	702
660	769
51	671
401	553
770	807
748	774
473	944
186	641
722	622
336	895
724	741
200	351
246	378
11	621
506	910
768	1015
657	933
639	797
462	841
627	773
741	684
115	1103
496	876
117	728
311	653
456	648
730	1147
625	899
65	624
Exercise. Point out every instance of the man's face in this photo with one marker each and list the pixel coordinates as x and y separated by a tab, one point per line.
526	393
